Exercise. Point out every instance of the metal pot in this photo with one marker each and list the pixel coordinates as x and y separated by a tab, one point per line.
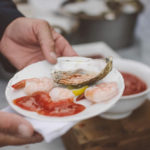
117	31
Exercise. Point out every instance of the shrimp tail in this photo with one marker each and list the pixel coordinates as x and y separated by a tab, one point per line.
19	85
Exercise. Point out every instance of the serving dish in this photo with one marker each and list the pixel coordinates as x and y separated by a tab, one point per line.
43	68
127	104
95	48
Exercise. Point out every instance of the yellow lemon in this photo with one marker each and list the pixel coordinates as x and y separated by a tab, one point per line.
79	91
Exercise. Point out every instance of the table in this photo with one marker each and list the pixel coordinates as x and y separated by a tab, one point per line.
132	133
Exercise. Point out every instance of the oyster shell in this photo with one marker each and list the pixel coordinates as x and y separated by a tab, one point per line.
80	71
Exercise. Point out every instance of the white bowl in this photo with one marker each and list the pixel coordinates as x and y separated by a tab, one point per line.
125	106
95	48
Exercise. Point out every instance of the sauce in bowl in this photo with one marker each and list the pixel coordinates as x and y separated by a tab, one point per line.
95	56
133	84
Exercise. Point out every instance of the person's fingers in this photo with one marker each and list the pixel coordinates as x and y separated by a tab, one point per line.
36	58
62	47
6	139
43	32
15	125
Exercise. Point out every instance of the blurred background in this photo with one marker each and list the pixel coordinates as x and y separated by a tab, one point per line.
122	24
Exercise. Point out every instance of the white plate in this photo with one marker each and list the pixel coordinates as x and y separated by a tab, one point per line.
42	69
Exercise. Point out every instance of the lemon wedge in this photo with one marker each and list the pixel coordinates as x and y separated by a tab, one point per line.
79	91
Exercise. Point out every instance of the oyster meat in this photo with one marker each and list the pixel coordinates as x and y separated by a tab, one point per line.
80	71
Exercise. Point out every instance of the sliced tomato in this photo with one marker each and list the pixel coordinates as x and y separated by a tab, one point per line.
62	108
19	85
42	98
35	102
27	103
41	103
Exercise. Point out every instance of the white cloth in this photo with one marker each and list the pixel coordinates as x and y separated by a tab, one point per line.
49	130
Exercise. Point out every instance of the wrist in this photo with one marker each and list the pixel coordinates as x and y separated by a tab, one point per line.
7	21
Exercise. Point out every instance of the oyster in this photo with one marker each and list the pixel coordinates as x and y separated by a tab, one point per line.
80	71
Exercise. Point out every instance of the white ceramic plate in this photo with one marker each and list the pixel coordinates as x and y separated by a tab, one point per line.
42	69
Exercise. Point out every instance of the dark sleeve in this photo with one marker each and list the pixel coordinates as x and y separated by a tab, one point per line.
8	12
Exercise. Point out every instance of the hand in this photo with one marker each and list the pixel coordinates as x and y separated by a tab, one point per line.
27	40
14	130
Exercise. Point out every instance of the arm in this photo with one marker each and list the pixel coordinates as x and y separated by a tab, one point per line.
14	130
25	41
8	13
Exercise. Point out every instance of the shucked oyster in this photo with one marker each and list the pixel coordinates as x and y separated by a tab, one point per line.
80	71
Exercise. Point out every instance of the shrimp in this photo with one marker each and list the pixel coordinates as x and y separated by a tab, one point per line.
102	92
35	84
59	94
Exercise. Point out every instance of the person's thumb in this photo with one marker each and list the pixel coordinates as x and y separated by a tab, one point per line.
44	35
15	125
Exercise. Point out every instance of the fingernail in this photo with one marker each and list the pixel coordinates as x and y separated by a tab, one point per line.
24	131
53	55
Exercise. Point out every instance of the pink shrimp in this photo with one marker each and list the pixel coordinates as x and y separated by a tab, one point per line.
58	94
35	84
102	92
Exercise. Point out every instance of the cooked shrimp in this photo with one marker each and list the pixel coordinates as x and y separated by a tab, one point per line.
35	84
19	85
58	94
102	92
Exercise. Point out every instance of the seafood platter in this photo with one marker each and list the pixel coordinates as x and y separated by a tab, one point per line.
75	88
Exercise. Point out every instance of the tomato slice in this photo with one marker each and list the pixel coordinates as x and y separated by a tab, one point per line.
19	85
27	103
62	108
42	98
41	103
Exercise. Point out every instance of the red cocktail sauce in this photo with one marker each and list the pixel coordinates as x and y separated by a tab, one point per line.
96	56
133	85
41	103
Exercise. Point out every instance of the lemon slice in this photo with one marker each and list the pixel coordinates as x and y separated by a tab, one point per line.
79	91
